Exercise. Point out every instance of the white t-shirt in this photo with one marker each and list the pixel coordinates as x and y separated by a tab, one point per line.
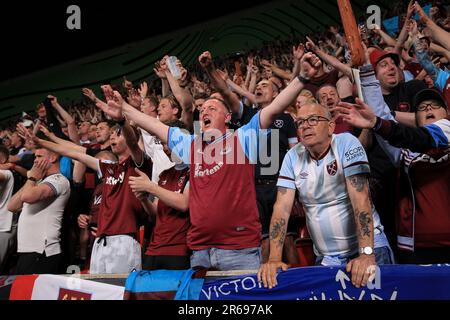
6	189
39	227
154	149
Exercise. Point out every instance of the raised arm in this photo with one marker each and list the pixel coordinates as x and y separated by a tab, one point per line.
276	70
182	94
133	144
297	53
164	83
330	60
68	144
249	71
309	67
218	83
118	110
439	76
386	38
241	91
420	140
438	34
404	32
71	125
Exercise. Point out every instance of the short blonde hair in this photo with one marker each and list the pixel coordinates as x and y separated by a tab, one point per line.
306	93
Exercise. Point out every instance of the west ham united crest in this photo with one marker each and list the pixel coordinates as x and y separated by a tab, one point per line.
332	168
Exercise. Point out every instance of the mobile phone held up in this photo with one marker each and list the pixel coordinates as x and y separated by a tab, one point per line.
173	68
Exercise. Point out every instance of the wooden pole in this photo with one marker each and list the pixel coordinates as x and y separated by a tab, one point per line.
351	32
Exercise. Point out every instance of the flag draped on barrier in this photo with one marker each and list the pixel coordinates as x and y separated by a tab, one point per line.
393	282
399	282
53	287
164	285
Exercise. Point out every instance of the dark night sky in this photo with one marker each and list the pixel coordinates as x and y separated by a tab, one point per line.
34	35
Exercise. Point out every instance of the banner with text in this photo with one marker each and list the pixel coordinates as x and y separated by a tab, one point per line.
394	282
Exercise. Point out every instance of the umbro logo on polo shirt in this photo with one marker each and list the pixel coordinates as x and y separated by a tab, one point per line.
304	175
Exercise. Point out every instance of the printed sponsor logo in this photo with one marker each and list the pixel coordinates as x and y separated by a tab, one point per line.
207	172
113	181
354	153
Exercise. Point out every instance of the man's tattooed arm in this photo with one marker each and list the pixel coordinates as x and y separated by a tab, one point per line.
278	232
358	191
278	224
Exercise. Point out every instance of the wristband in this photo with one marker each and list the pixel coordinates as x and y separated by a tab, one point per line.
303	80
32	179
121	122
377	125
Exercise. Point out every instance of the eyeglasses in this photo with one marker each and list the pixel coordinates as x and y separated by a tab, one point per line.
424	106
312	121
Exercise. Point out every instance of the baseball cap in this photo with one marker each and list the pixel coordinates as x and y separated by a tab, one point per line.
377	55
429	94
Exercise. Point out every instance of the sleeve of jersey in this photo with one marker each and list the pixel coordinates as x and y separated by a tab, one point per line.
179	142
55	182
373	95
440	132
353	156
249	135
286	178
102	166
442	79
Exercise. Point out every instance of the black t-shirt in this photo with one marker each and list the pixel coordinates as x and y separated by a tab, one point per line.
285	124
94	151
402	98
286	129
14	151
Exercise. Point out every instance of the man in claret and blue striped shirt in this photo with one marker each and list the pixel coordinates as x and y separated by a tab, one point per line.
330	173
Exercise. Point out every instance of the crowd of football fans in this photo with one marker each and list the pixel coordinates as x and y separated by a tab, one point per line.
111	183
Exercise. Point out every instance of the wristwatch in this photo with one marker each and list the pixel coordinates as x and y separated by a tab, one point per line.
366	250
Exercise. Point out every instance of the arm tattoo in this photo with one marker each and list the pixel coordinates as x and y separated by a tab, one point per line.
278	232
425	61
358	182
364	222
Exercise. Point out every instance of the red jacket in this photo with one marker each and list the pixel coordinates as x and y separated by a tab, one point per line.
423	215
